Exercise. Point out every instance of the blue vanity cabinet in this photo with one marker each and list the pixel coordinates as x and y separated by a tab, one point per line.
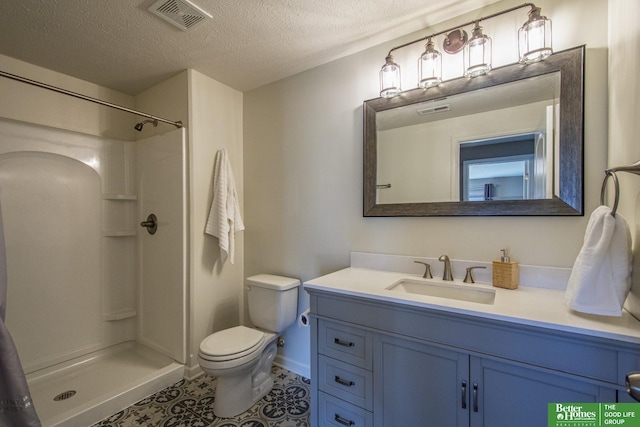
421	383
431	367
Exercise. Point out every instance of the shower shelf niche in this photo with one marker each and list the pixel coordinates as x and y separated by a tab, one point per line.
115	230
119	196
119	315
120	233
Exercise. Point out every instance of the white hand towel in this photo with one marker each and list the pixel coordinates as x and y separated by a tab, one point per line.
224	216
601	276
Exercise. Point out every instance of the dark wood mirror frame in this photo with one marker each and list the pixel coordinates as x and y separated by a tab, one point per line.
569	201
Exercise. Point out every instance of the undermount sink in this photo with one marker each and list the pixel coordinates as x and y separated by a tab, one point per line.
445	290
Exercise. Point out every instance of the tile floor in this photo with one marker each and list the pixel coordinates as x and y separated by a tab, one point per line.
189	404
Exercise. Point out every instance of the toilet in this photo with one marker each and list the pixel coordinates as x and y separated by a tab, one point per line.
240	357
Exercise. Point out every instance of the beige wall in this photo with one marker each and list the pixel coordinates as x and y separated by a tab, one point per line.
624	99
212	112
215	114
27	103
624	126
303	170
169	99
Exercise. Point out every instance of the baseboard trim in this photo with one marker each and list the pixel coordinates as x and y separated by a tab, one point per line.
193	372
293	366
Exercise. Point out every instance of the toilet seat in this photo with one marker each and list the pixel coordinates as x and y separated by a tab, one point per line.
231	344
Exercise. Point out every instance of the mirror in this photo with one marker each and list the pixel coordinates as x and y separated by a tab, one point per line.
508	143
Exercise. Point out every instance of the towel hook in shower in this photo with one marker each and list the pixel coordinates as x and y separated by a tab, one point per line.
634	168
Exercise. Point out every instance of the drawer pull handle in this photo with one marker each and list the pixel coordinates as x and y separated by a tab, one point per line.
343	421
475	397
343	343
464	394
343	382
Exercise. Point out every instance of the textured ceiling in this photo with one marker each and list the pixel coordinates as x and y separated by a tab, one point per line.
248	43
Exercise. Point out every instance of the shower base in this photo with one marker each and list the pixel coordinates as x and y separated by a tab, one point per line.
90	388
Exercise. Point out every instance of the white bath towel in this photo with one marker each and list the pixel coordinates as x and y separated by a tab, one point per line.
601	276
224	216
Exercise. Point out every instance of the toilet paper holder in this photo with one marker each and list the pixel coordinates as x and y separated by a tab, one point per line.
303	319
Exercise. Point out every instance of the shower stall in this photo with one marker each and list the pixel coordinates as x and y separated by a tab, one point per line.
96	305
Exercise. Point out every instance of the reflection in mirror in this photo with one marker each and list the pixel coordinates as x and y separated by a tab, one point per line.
420	145
509	143
512	167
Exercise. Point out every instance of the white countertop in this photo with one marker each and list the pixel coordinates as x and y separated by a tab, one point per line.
525	305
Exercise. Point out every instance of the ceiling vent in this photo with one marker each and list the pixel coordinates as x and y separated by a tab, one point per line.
181	13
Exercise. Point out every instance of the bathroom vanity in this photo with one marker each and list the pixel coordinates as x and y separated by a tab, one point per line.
386	358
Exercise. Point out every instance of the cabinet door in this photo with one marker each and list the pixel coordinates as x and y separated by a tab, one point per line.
417	384
511	394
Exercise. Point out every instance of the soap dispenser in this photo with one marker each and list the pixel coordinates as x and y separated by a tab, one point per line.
506	273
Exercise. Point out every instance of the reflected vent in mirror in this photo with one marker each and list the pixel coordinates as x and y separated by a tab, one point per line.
433	110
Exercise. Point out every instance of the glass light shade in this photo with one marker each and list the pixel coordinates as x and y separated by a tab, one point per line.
390	79
477	54
430	67
534	38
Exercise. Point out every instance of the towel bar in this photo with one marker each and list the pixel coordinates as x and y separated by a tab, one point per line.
634	168
617	190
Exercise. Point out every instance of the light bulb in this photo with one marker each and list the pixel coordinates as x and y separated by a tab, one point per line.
430	67
477	53
534	38
390	79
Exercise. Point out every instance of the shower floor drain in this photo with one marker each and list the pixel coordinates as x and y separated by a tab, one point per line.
65	395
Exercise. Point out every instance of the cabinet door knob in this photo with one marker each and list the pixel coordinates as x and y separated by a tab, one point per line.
464	394
343	382
343	421
343	343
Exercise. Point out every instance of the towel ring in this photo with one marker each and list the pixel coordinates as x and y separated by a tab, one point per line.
616	187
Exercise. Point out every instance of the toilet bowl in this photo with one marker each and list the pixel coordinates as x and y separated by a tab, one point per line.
241	357
243	375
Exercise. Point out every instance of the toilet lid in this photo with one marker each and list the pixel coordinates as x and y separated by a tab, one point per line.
232	341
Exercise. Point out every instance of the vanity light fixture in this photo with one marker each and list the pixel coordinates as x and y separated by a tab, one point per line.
390	79
534	38
534	44
430	66
454	41
477	53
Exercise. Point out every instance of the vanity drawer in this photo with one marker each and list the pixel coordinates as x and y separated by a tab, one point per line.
347	382
345	343
338	413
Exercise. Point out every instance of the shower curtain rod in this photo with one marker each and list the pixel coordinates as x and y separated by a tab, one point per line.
177	124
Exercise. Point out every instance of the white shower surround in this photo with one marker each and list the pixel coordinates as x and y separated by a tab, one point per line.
83	281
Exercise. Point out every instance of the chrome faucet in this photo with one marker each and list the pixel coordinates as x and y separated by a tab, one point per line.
447	275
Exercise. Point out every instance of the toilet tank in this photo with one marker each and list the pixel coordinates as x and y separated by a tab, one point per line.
272	301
